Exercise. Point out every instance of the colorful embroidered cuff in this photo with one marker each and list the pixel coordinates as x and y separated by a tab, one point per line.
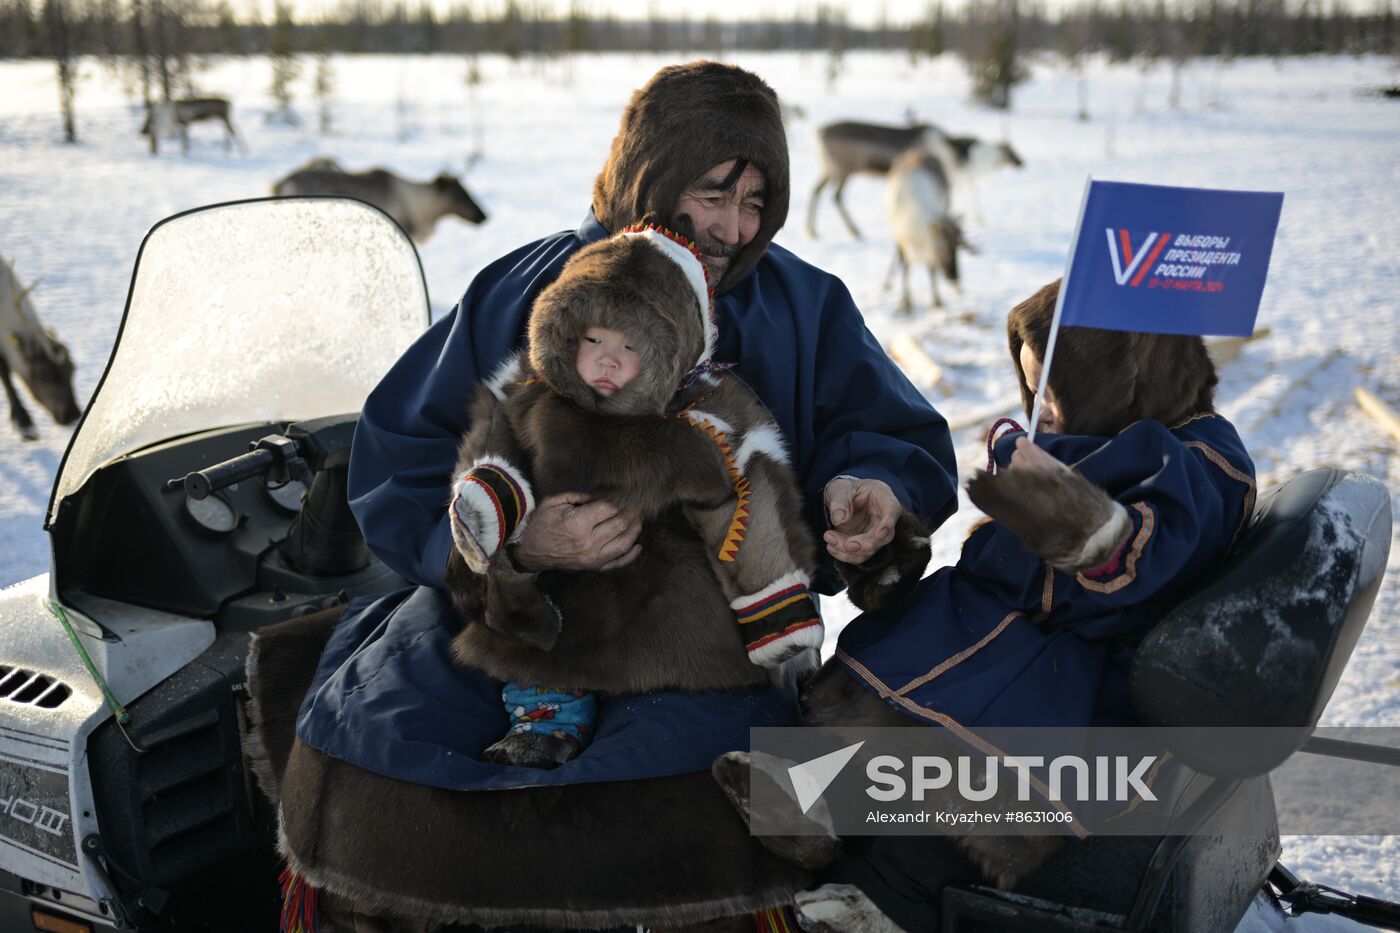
490	503
779	620
565	714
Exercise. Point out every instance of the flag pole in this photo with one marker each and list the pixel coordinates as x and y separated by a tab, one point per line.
1059	307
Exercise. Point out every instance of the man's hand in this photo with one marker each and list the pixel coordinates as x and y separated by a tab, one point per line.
572	532
862	513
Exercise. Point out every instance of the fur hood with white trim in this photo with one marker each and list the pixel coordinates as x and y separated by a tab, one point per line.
646	283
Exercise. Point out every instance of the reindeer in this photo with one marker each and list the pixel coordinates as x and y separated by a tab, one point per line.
415	206
848	148
34	353
975	159
917	204
166	117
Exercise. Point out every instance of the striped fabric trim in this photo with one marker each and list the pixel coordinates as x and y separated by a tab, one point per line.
783	611
961	656
1196	417
774	920
1219	460
1047	594
490	504
505	494
952	725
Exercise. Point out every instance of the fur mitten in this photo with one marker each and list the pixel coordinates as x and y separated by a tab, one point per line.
1068	521
489	506
892	571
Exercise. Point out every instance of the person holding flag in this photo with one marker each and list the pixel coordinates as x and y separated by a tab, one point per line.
1128	490
1132	491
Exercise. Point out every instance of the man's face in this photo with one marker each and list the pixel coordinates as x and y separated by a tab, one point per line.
725	207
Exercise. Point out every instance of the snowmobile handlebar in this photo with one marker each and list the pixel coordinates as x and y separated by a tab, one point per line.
270	452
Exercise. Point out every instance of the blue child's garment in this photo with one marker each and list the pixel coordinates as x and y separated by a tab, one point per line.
1001	639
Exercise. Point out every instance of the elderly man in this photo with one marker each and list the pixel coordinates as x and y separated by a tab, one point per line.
389	714
705	141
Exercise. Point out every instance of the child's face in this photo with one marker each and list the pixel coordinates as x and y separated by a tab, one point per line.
1049	410
605	362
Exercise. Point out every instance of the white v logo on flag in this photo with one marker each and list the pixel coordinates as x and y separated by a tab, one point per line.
1121	275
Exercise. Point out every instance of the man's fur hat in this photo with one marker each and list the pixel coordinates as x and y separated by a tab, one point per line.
646	283
686	120
1104	380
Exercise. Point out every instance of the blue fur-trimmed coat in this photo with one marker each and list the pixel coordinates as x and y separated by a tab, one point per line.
1001	639
388	695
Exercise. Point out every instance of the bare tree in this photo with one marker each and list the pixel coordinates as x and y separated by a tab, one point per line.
927	37
324	82
19	30
284	64
60	41
1074	43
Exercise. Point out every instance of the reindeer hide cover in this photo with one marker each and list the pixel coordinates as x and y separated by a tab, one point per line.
662	852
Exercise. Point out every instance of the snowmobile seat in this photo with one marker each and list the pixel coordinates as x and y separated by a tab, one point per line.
1262	644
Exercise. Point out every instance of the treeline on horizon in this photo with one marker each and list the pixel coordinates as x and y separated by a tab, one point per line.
167	42
1122	30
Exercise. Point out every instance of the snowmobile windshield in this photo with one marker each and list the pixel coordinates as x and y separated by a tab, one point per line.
248	312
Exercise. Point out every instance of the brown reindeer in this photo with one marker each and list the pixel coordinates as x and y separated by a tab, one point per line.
166	117
415	206
34	354
848	148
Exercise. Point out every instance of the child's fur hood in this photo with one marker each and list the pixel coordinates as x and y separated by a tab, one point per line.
686	120
1104	380
626	284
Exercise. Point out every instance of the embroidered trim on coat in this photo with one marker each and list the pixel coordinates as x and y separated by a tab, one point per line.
739	524
1129	574
952	725
961	656
1219	460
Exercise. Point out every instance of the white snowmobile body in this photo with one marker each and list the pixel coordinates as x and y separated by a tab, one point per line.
247	314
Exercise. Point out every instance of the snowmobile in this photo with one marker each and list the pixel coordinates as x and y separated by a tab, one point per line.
202	499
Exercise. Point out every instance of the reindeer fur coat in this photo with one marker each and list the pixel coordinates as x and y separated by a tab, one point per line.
724	548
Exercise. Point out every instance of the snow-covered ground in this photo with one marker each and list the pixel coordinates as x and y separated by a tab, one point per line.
75	216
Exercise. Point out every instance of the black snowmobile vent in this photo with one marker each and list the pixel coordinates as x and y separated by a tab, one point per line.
31	688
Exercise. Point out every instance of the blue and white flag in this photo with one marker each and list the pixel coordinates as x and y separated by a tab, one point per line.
1170	260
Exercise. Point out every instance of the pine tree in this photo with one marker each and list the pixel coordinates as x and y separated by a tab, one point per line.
993	53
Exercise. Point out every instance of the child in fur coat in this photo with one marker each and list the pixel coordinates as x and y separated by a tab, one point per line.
619	399
1133	491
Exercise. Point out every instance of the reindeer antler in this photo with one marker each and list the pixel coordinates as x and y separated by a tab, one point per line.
24	292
